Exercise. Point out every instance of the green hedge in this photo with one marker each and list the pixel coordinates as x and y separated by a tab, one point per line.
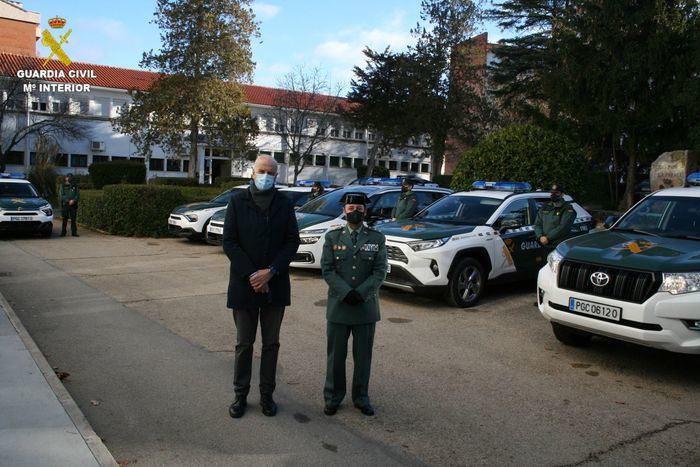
111	173
228	181
175	181
444	181
91	210
84	182
524	153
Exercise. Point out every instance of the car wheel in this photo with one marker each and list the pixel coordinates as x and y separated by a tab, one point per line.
467	283
46	233
570	336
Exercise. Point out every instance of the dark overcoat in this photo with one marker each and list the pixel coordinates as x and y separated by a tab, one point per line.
255	240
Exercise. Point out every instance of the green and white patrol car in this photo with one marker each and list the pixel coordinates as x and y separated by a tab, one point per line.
638	281
191	220
22	209
320	215
471	237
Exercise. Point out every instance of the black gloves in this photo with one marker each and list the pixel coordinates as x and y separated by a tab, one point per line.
353	298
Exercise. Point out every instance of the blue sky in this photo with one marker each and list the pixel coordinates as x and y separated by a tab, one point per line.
313	33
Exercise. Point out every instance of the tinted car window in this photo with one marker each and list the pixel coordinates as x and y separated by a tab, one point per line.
382	205
326	205
223	198
467	210
666	216
17	190
426	198
516	213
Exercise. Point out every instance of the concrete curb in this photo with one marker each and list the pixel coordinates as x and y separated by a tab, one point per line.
93	441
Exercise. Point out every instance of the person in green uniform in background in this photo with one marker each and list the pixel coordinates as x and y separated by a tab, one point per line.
554	219
354	264
69	194
316	190
407	205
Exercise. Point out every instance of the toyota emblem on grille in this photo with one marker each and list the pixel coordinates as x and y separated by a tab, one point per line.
600	279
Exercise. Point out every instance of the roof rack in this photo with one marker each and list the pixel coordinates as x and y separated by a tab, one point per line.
516	187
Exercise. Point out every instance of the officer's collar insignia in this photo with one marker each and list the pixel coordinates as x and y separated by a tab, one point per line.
370	247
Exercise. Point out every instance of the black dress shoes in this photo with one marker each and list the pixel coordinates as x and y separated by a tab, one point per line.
365	409
269	408
330	410
237	409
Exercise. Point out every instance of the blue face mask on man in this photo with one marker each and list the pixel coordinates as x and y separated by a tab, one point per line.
264	182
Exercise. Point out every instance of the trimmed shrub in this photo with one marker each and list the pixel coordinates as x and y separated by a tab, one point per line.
523	153
200	193
111	173
139	210
84	182
444	181
91	210
228	181
175	181
378	171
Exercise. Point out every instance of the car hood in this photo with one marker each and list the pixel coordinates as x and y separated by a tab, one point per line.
415	229
305	220
197	207
634	251
21	204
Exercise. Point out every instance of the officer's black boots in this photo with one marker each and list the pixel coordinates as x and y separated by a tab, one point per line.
330	410
366	409
237	409
269	408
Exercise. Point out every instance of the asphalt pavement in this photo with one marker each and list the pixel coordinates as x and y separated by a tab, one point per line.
141	327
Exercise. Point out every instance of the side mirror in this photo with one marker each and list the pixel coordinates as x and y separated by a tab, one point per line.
609	221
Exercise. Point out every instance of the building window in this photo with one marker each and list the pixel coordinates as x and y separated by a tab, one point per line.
404	166
38	104
425	168
155	164
321	161
78	160
359	135
334	133
121	158
61	160
414	166
15	158
308	159
347	134
172	165
58	106
321	132
118	105
99	106
392	165
260	153
32	158
382	163
279	127
100	159
358	162
186	166
370	136
279	157
347	162
334	161
293	128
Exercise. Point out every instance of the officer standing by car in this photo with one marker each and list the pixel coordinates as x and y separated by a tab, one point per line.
407	204
554	219
354	264
316	190
69	194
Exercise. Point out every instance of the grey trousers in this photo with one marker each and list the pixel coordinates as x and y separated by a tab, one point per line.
246	330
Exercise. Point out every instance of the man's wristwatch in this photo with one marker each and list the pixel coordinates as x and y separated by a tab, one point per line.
273	270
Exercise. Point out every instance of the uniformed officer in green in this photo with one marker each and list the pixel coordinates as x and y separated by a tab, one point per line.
407	204
69	195
354	265
316	190
554	219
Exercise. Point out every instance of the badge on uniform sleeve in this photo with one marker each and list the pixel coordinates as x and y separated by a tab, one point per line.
370	247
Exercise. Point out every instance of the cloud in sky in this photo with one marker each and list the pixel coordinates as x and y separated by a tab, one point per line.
265	10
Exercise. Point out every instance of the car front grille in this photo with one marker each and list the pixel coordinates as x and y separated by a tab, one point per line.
22	213
624	284
395	253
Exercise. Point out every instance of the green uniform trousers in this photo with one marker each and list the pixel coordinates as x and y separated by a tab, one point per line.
362	342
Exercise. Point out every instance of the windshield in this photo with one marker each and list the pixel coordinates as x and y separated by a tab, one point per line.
665	216
466	210
326	205
223	198
299	198
17	190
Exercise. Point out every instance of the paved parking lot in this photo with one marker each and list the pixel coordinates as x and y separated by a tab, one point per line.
141	327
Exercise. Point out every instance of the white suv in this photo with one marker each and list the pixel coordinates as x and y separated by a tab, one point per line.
471	237
638	281
22	209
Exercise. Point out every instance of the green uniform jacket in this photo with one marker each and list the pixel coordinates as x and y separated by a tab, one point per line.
554	221
362	267
68	192
406	206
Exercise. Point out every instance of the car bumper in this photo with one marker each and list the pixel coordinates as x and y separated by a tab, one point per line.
417	269
181	227
215	234
308	255
37	223
660	322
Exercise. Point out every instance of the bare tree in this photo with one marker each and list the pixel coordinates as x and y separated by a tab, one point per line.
17	123
304	113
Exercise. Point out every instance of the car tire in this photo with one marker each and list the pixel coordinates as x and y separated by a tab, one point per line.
467	283
570	336
46	233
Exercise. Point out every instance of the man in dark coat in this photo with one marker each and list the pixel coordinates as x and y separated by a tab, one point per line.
261	238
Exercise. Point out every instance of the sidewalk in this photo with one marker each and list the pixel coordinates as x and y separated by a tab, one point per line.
40	424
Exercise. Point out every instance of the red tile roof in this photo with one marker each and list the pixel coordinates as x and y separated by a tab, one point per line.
126	78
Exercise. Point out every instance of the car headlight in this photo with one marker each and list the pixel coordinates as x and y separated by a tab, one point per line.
47	210
680	282
421	245
309	240
192	217
553	260
313	231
